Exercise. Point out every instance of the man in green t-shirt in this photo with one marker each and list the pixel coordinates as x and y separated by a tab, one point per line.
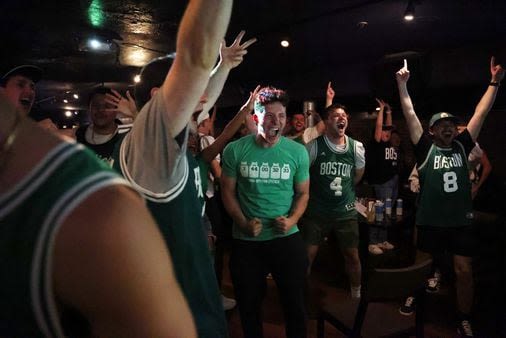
265	189
337	164
444	214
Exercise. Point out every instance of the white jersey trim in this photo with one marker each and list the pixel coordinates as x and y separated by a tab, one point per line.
47	316
163	197
37	176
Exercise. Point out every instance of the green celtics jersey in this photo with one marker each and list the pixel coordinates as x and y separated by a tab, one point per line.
31	214
445	188
332	189
178	213
265	181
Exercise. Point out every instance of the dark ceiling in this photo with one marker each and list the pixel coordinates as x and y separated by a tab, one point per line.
356	44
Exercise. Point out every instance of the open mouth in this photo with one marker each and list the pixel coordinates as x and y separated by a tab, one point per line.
273	132
25	102
341	125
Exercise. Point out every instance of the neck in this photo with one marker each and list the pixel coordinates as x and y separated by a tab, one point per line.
336	138
262	141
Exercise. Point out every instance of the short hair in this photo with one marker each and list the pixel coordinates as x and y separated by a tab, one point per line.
152	75
326	112
102	90
268	95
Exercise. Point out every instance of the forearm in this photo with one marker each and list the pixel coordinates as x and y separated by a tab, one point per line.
298	206
228	132
412	121
230	202
379	125
481	111
214	88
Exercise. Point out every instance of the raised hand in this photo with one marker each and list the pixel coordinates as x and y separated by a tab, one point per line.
402	75
250	104
123	105
330	92
232	55
384	106
496	70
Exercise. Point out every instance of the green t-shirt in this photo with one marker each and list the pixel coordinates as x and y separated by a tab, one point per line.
265	180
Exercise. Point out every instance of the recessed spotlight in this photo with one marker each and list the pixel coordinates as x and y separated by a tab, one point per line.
68	113
285	43
137	78
65	101
76	96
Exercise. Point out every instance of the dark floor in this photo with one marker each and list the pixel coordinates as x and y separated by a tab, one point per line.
489	310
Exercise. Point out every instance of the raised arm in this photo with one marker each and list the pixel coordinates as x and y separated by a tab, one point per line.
487	100
412	121
209	153
201	30
230	57
329	95
384	108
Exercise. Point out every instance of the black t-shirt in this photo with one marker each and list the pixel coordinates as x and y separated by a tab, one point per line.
382	161
104	150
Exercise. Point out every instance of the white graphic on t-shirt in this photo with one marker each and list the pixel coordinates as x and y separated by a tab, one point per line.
253	170
265	173
275	171
390	153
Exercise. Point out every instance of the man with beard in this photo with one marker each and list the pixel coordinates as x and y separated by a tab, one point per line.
444	216
336	164
265	187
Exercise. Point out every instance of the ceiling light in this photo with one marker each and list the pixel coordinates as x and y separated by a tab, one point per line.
65	101
68	113
137	78
285	43
409	14
76	96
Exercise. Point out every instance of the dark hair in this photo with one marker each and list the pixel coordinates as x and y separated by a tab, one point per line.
152	75
332	108
270	94
99	91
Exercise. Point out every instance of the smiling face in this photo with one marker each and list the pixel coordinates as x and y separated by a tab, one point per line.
337	122
20	91
272	122
443	132
298	122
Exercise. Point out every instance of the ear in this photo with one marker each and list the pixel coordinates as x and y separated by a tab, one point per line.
431	132
153	91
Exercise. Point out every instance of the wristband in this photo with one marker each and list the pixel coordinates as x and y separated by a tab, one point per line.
494	83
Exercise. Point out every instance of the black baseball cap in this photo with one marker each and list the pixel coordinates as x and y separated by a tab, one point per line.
32	72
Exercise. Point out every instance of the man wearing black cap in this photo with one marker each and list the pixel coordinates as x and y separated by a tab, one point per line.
18	85
444	213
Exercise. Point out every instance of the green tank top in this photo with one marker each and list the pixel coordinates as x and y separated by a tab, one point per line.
445	189
31	214
179	217
332	190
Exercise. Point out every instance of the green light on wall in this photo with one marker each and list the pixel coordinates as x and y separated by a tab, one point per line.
96	13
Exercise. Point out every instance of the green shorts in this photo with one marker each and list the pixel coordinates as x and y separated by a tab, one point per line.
314	229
